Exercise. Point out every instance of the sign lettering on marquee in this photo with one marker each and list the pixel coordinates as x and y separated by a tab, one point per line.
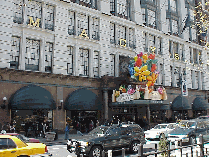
32	23
124	97
123	42
84	34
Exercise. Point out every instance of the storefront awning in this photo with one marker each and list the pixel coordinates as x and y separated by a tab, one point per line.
32	97
179	104
83	99
200	104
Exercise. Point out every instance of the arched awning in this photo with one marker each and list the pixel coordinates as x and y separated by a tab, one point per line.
32	97
83	99
179	104
200	104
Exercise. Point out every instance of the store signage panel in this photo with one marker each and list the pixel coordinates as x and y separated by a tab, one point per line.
124	97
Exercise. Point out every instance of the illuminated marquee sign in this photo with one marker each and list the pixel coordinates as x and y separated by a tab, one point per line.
32	23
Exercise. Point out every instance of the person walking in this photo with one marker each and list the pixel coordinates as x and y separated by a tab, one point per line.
97	123
66	131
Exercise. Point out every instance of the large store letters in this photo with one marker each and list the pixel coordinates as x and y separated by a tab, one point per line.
32	23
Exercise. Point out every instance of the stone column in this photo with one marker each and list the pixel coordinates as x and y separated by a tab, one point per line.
105	92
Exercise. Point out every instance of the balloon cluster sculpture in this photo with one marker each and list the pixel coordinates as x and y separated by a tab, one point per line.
143	68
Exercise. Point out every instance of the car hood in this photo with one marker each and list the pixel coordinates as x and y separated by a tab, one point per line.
181	131
154	130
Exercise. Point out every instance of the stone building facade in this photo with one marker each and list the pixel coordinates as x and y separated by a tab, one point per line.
65	45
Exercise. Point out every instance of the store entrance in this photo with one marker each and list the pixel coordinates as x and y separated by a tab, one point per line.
83	121
31	122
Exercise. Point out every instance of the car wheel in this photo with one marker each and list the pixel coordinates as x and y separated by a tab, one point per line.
192	140
134	146
96	151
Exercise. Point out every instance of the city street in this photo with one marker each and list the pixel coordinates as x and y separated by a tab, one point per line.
61	151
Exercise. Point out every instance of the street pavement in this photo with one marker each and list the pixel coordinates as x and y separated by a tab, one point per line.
58	148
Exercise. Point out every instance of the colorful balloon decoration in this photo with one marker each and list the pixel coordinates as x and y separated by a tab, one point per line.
143	68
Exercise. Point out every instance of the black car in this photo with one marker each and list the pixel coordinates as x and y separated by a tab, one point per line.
105	138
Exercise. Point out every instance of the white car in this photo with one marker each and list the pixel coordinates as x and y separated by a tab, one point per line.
156	133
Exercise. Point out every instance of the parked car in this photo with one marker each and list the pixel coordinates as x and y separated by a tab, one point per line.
156	133
105	138
11	146
23	138
188	131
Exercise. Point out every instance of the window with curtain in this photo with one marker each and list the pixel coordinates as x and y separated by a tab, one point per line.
159	46
143	11
49	17
83	62
120	8
195	56
144	40
34	10
175	51
48	57
15	52
196	80
18	11
32	54
70	60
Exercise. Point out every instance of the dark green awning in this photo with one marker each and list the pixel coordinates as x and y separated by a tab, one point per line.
200	104
32	97
83	99
179	104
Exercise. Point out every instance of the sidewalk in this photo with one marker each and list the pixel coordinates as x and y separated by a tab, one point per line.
60	140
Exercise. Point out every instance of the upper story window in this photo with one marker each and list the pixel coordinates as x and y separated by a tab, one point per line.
159	46
34	13
32	54
131	38
18	12
151	18
49	17
172	18
95	28
83	24
144	41
85	28
118	35
181	52
83	62
112	65
120	8
173	5
112	33
48	57
71	21
15	52
151	43
88	3
70	60
96	64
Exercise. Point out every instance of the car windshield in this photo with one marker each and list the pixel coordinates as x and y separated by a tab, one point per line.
187	124
22	137
160	126
98	130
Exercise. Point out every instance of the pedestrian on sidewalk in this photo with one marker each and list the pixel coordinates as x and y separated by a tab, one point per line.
66	131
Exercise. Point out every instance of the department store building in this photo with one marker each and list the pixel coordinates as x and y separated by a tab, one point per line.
62	58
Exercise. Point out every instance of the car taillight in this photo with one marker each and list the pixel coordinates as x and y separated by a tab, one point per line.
46	149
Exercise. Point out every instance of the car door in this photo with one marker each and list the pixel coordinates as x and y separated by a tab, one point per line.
126	135
112	138
10	148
